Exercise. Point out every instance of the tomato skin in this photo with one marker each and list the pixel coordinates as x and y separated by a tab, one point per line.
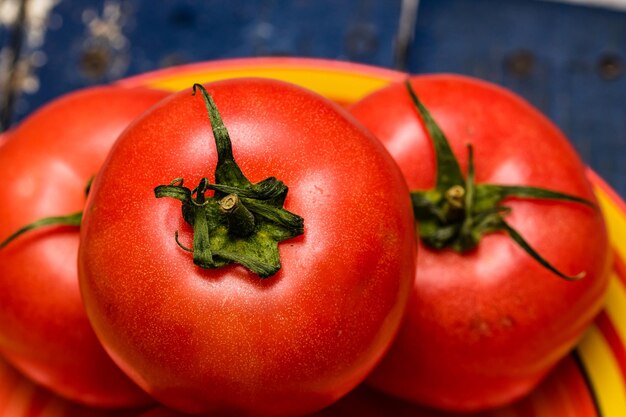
224	340
484	327
46	162
564	392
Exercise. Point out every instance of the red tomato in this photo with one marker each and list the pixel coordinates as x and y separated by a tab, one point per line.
563	393
226	340
484	327
163	412
20	397
46	162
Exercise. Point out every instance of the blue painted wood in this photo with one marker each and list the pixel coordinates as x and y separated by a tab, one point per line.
183	31
564	59
4	35
549	53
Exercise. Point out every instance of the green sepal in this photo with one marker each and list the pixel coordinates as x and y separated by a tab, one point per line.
270	189
460	224
426	204
292	223
254	244
215	246
73	219
448	169
174	190
490	194
532	252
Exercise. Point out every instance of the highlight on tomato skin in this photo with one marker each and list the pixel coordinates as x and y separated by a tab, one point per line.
192	311
486	325
47	161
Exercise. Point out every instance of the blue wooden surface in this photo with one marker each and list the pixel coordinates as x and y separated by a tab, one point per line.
178	32
567	60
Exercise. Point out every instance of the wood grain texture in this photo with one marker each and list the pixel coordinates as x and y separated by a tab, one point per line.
568	60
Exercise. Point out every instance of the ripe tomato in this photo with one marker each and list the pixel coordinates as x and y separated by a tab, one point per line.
484	326
20	397
226	340
46	162
563	393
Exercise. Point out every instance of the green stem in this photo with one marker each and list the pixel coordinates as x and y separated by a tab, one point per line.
458	212
242	222
469	238
73	219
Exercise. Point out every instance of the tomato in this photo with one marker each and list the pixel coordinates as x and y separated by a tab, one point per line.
564	392
20	397
47	162
162	412
485	325
216	337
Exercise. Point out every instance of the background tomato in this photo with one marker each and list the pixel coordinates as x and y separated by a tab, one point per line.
20	397
46	162
483	327
225	340
564	393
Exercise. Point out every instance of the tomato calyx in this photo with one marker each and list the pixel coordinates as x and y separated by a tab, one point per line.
72	220
457	212
241	222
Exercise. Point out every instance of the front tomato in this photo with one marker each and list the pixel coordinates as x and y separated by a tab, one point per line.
486	324
220	338
47	162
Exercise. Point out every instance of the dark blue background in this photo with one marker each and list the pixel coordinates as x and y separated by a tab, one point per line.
567	60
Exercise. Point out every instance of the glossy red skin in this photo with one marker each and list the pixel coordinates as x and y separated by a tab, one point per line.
225	341
563	393
484	327
20	397
46	162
